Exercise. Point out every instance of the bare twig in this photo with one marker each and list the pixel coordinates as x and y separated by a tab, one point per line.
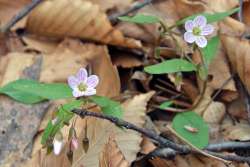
113	18
171	146
20	15
240	13
121	123
169	153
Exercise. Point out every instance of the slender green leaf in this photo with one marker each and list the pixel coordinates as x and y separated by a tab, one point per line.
51	91
21	96
141	19
166	104
108	107
209	52
210	17
170	66
63	116
191	127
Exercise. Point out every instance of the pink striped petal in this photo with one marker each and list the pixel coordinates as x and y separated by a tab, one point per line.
200	21
82	75
92	81
201	41
189	25
189	37
73	82
207	30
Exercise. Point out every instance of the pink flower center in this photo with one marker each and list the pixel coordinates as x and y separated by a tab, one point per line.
196	31
82	87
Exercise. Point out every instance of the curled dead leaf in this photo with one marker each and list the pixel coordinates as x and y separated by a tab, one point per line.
112	156
80	19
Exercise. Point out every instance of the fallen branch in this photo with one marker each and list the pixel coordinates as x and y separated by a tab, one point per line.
173	148
20	15
169	153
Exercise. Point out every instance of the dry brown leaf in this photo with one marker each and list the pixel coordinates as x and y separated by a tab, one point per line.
13	68
215	112
80	19
240	131
112	156
111	4
8	9
147	146
239	59
211	111
42	45
246	15
237	109
218	70
126	61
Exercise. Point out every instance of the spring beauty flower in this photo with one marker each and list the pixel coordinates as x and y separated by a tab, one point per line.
82	85
197	29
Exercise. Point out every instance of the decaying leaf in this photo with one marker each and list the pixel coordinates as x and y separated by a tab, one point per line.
126	61
240	131
112	156
81	19
111	4
238	58
211	111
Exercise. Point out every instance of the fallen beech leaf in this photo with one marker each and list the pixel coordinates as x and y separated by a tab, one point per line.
14	69
111	4
246	15
238	58
211	111
147	146
215	112
112	156
42	45
239	132
237	109
126	61
80	19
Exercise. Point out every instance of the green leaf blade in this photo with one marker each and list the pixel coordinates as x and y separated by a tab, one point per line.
52	91
165	105
209	52
141	19
171	66
200	138
21	96
108	107
210	17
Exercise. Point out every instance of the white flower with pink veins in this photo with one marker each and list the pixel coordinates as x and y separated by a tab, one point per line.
196	30
82	84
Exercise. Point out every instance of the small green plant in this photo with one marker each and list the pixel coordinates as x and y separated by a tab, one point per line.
187	124
80	90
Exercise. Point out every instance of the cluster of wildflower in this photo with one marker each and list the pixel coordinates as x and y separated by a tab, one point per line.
84	85
81	85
